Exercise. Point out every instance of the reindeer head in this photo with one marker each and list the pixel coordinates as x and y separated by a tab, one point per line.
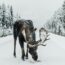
33	51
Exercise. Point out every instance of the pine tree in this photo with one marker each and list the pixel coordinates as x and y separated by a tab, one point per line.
3	15
64	14
0	15
11	16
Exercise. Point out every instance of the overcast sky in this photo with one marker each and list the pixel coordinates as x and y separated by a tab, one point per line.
37	10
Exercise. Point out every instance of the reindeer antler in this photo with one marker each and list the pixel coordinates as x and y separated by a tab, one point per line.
37	43
42	43
42	30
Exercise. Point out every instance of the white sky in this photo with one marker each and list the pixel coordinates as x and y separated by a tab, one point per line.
37	10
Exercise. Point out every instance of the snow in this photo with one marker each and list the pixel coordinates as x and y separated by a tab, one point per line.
52	54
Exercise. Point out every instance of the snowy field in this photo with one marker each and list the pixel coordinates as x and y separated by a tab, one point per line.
52	54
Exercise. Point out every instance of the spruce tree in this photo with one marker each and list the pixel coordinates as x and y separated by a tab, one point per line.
11	16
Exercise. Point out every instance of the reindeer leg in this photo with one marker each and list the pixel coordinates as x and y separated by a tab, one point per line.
23	53
14	47
21	41
27	52
15	34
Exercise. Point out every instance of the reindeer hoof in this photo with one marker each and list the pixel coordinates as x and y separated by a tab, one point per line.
23	58
26	57
14	55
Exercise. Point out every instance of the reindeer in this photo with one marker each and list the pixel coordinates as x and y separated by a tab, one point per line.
29	37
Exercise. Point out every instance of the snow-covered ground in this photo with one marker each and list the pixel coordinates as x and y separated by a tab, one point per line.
52	54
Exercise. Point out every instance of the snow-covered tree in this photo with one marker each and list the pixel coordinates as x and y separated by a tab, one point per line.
64	14
11	16
3	15
6	19
0	16
57	23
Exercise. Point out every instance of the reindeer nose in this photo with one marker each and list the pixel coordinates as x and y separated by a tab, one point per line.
35	57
